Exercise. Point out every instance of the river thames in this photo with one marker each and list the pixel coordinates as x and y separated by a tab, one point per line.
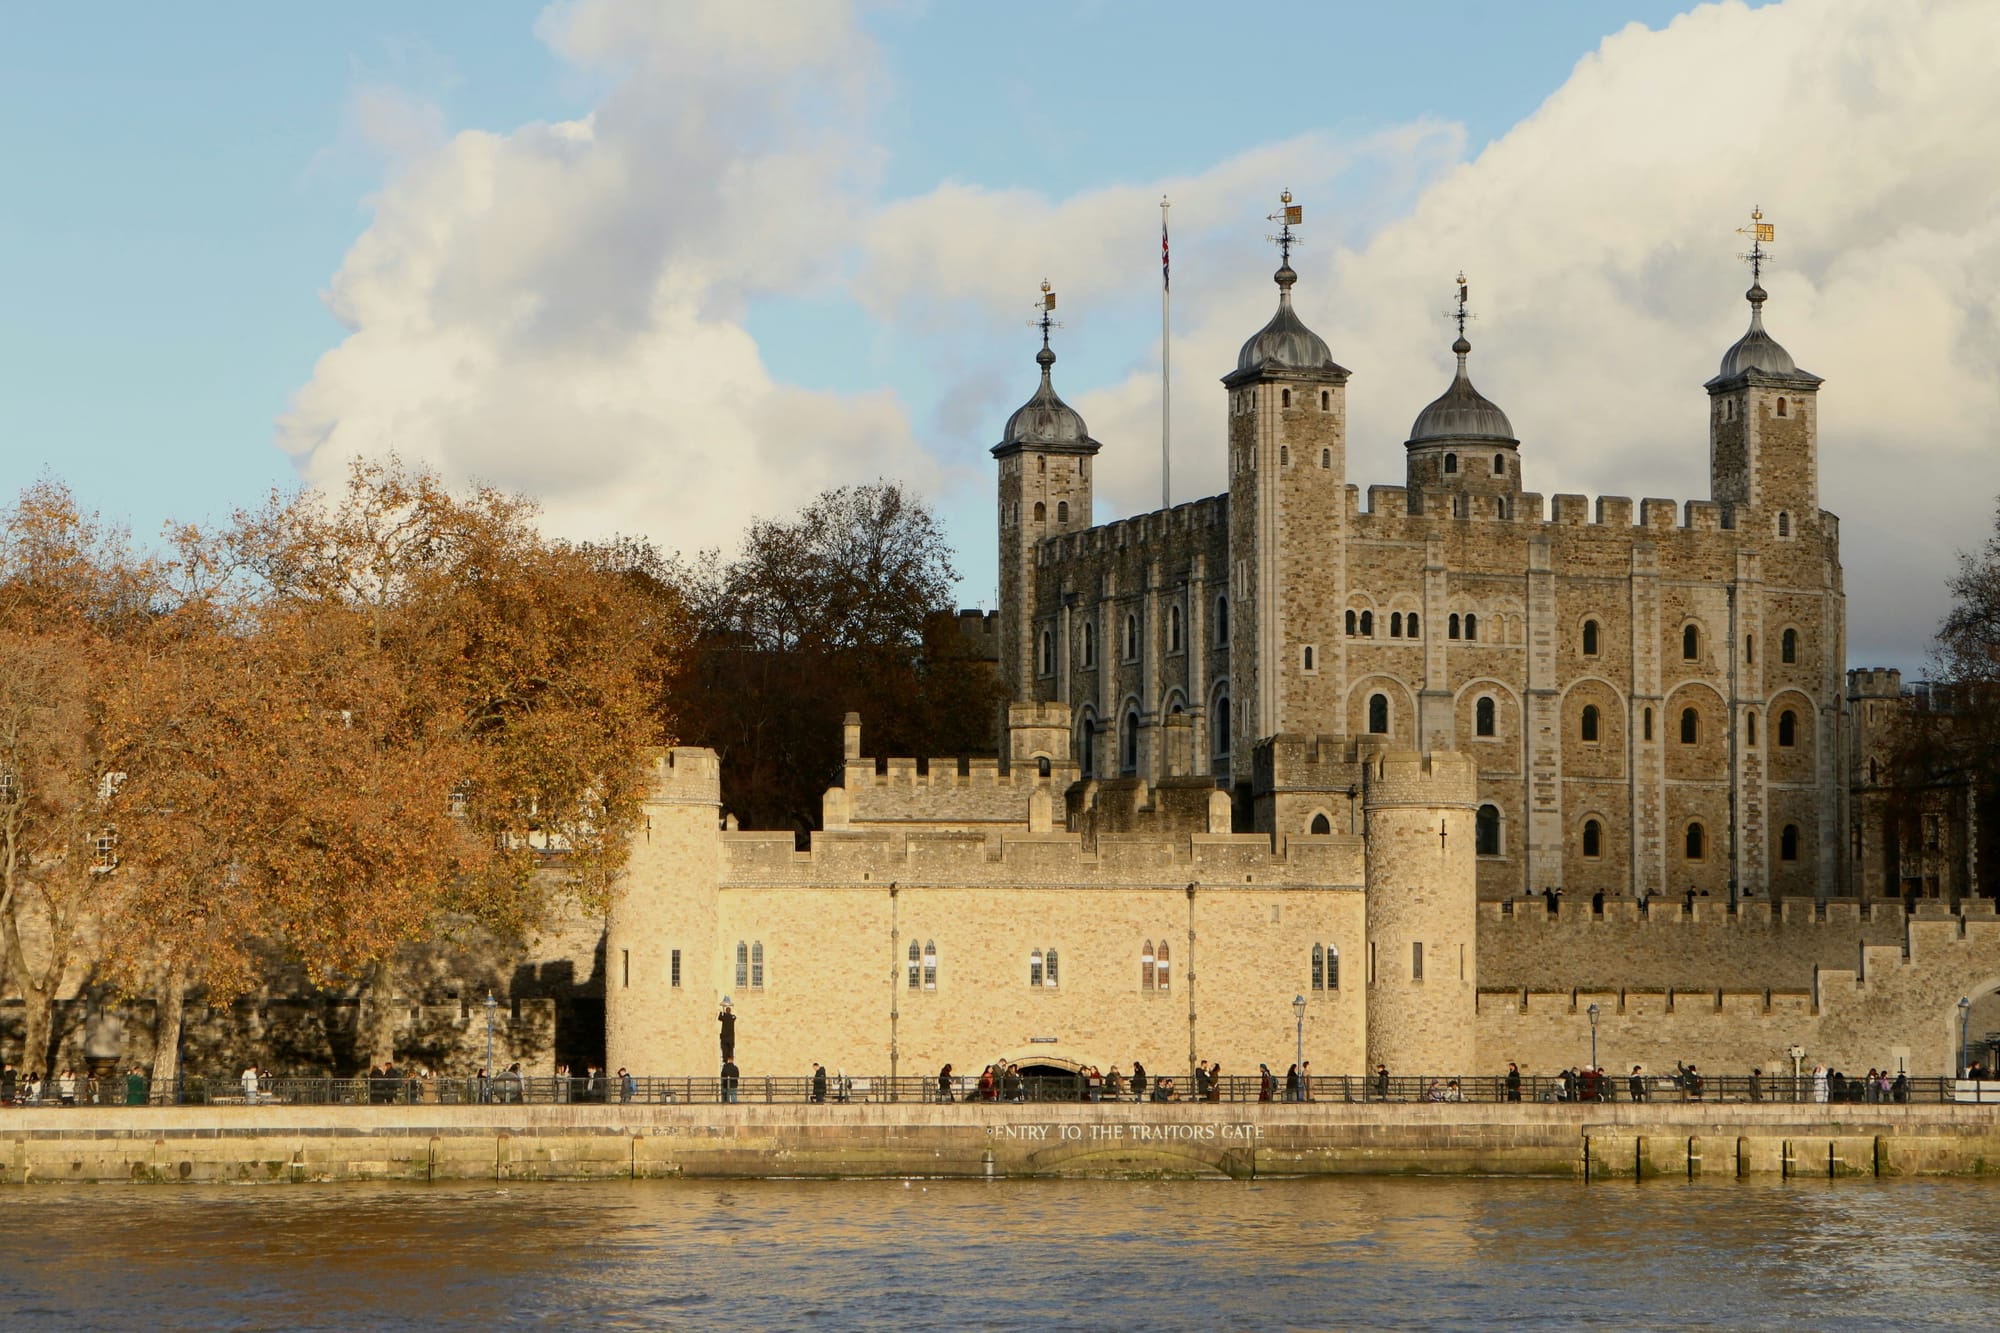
1349	1253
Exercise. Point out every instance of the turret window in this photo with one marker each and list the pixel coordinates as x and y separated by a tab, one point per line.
1697	842
1353	619
1471	626
1691	644
1784	524
1128	746
1062	511
1048	653
1788	729
1486	831
1222	619
1285	400
1306	660
1450	464
1590	638
1378	714
1089	653
1173	629
1452	627
1781	407
1041	512
1285	450
1086	746
1325	400
1411	625
1788	647
1589	730
1367	624
1750	726
1482	716
1326	459
1593	839
1396	625
1788	843
1499	465
1648	733
1690	726
1750	650
1131	638
1041	465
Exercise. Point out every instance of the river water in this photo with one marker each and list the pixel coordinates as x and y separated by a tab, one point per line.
1435	1254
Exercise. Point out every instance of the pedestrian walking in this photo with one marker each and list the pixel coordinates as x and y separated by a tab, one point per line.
819	1082
944	1082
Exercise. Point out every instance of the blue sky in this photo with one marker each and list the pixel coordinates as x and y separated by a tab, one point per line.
184	186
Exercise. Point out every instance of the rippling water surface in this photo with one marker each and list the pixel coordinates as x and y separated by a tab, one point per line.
969	1255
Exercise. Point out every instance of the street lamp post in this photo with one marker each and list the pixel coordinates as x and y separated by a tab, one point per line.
1797	1053
490	1002
1593	1037
1964	1018
1299	1013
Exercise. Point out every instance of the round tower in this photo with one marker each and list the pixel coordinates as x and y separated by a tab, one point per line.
1422	912
1462	445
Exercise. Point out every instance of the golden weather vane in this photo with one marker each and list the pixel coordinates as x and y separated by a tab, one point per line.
1760	233
1043	305
1289	215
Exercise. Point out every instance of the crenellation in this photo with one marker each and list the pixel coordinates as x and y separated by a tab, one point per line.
1658	514
1567	510
1614	511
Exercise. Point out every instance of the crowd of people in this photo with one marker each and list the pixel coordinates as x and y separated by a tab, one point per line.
71	1087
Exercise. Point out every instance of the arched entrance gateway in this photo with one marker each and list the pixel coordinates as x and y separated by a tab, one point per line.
1035	1076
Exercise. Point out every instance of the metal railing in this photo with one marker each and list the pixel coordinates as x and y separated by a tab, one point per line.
836	1089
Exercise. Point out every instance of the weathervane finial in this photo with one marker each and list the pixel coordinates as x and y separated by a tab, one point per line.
1461	314
1760	232
1289	215
1045	320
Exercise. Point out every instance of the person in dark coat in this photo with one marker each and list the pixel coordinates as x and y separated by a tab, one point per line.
1215	1081
732	1079
1637	1083
1267	1083
727	1021
819	1082
1513	1082
1382	1082
1292	1084
1138	1082
944	1084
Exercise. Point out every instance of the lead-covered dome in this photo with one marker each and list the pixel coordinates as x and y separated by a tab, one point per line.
1286	344
1757	351
1461	412
1045	421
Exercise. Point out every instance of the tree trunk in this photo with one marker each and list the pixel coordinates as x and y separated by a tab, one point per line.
169	1013
39	1022
377	1037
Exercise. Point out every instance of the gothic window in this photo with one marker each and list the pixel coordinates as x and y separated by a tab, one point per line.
1041	512
1410	625
930	965
1482	717
1696	842
1396	625
1062	511
1649	724
756	965
916	965
1161	965
1089	644
1319	967
1048	652
1367	624
1750	726
1035	968
1146	966
1471	625
1332	967
1378	714
1486	831
1589	732
1784	524
1049	972
1450	463
1590	638
1690	726
1593	838
1788	647
1499	465
1131	638
1451	629
1321	824
1128	757
742	965
1690	644
1352	621
1788	843
1222	619
1173	629
1788	728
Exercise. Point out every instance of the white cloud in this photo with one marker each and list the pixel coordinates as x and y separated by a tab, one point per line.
560	308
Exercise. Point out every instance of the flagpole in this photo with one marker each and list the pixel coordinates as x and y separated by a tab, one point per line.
1166	383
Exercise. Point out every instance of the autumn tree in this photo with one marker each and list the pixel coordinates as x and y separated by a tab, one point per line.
829	612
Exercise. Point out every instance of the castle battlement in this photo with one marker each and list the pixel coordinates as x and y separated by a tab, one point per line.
1671	913
1403	777
1389	507
1160	525
685	775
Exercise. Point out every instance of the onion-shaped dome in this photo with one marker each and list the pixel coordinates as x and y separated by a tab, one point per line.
1461	412
1757	352
1285	343
1045	421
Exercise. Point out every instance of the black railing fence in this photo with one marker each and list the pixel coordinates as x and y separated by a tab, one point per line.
837	1089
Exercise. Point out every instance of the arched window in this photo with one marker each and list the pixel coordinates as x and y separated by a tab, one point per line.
1590	638
1486	831
1451	627
1410	625
1146	966
1471	625
930	965
1062	511
1593	838
1048	652
1781	407
1321	824
1690	644
1589	732
1285	398
756	964
1352	620
1396	624
1128	748
1784	524
916	965
1160	971
1131	638
1482	717
1788	728
1035	968
1090	643
1450	463
1086	748
1042	766
742	965
1332	968
1325	455
1218	729
1222	619
1041	512
1499	465
1378	714
1649	724
1788	647
1049	972
1325	400
1319	967
1749	726
1696	841
1173	629
1367	624
1690	726
1788	843
1306	657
